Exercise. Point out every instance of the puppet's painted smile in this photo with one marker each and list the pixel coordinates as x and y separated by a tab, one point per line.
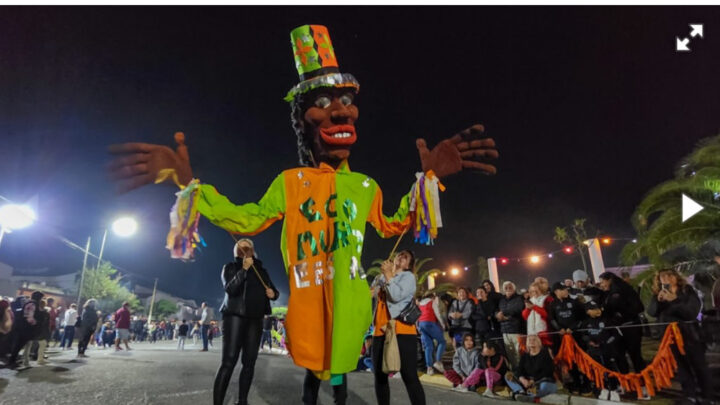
339	135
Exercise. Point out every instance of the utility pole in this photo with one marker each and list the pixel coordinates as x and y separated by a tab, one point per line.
102	247
82	276
152	302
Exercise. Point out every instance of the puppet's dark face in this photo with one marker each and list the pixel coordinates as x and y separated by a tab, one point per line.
330	118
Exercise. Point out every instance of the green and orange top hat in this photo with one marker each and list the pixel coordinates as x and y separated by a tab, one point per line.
316	62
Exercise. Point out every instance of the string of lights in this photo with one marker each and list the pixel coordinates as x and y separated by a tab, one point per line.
536	258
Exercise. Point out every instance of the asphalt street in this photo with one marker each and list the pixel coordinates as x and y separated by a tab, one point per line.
159	374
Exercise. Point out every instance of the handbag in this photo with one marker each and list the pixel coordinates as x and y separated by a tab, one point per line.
409	314
391	351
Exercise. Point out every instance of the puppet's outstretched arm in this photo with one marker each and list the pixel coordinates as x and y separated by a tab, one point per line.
246	219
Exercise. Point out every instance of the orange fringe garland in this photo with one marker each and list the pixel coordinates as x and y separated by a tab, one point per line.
655	376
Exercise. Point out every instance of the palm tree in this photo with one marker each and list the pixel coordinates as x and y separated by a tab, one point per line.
658	217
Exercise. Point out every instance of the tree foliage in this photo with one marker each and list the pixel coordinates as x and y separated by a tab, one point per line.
658	218
164	308
103	284
575	235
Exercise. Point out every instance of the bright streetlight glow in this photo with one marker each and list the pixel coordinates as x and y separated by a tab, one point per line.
535	259
13	216
455	271
124	227
606	241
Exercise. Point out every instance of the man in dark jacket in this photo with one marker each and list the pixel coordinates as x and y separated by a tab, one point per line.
566	316
25	326
509	315
248	291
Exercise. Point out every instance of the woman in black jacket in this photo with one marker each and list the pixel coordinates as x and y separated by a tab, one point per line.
622	307
248	291
88	323
676	301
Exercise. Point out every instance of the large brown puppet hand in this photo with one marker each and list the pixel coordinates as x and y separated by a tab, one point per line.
138	164
466	150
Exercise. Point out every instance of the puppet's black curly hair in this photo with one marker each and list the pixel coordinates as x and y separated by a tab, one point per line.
304	144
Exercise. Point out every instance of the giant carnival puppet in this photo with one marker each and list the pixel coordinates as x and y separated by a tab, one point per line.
323	204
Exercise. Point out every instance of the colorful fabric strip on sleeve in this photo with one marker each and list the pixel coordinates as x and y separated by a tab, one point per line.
246	219
425	202
183	237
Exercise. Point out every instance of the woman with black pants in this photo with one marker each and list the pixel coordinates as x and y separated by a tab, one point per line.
88	323
395	288
675	301
248	291
622	307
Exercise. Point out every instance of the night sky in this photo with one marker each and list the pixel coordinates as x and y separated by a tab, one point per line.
590	108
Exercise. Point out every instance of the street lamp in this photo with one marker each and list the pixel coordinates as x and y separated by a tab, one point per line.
14	217
123	227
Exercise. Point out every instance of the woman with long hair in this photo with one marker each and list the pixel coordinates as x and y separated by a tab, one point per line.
674	300
622	307
88	322
395	289
248	291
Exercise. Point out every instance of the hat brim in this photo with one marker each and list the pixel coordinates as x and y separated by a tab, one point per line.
328	80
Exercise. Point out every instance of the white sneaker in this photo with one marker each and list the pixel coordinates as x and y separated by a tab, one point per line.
461	388
614	396
439	366
604	394
430	371
489	393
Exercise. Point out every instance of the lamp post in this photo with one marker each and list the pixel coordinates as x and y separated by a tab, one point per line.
14	217
123	227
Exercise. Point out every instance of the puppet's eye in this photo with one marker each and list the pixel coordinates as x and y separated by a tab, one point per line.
322	102
346	99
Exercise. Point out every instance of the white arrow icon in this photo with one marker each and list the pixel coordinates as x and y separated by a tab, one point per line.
689	207
682	45
697	30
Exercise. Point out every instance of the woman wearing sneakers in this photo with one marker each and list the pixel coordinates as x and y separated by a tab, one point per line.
432	327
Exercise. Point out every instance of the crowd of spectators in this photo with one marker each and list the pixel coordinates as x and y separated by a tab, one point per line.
510	337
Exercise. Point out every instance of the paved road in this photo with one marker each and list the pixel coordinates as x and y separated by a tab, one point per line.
158	374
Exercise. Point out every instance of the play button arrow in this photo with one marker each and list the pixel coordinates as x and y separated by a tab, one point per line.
689	207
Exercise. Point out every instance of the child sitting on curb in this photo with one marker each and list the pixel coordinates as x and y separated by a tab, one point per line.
491	367
465	362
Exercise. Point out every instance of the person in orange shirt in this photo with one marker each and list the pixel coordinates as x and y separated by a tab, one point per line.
395	288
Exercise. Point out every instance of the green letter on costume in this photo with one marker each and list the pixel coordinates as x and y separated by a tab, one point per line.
342	231
308	212
306	236
331	214
350	209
